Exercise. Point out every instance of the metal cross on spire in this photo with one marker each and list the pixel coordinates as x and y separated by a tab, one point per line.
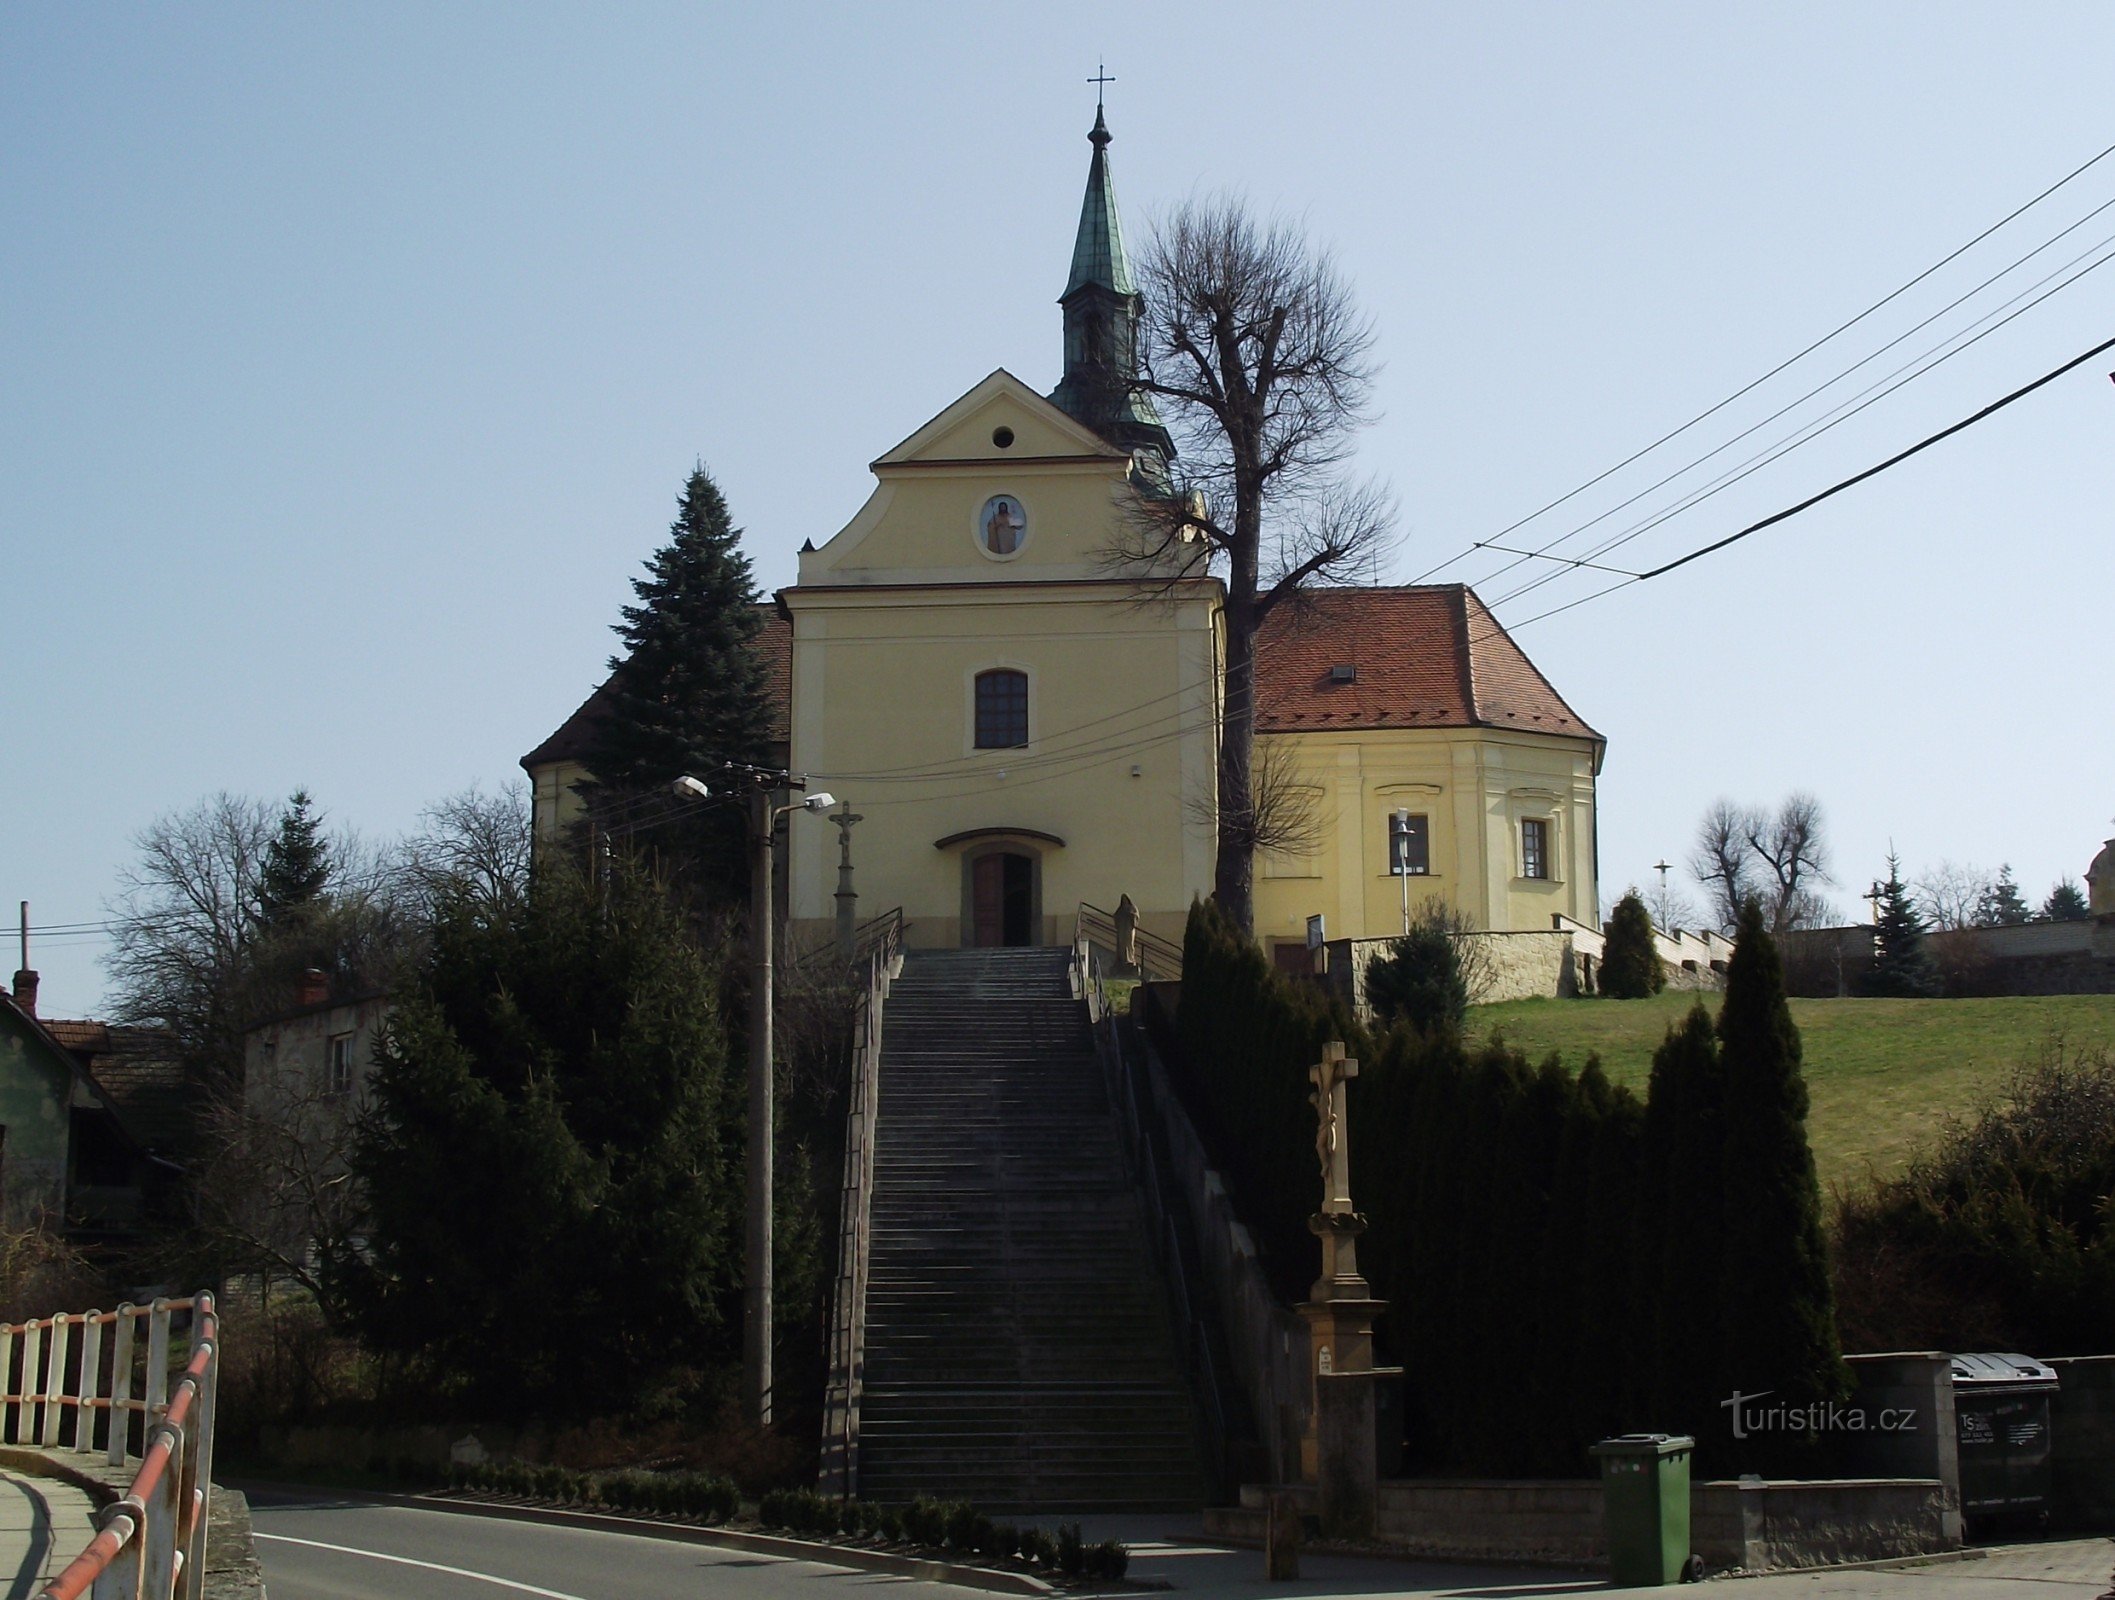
1101	76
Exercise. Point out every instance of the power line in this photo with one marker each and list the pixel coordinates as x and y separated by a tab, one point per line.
1791	360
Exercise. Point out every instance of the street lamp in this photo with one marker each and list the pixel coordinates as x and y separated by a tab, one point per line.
763	784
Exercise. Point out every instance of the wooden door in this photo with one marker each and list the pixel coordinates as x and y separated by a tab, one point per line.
987	898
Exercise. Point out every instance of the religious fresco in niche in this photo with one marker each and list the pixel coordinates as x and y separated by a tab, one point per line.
1002	526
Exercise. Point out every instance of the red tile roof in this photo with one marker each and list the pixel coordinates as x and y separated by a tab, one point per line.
774	642
1425	657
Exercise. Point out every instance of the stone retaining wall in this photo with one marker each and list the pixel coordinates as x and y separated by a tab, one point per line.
1761	1525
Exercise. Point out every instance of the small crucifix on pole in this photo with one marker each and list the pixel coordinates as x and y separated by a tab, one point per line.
1101	76
1330	1075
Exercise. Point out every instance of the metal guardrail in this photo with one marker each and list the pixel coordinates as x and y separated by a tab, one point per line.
1144	1170
152	1543
1129	948
880	947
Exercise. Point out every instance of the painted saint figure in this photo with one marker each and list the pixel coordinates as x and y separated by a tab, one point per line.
1002	528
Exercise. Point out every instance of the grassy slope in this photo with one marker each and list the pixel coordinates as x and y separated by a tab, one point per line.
1883	1073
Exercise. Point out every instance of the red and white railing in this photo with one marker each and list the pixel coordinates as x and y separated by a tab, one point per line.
66	1374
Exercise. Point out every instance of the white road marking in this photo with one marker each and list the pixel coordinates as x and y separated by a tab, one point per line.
430	1566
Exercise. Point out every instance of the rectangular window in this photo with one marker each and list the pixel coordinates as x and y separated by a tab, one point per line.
1534	848
340	1059
1002	710
1409	845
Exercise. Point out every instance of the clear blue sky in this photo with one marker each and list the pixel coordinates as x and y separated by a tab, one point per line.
351	358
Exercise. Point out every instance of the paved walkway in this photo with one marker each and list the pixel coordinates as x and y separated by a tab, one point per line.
44	1524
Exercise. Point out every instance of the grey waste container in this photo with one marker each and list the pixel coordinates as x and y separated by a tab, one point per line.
2001	1416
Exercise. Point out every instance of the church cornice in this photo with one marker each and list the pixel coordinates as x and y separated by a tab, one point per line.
1111	459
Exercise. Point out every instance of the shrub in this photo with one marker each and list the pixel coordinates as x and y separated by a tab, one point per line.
1071	1553
771	1509
1421	980
888	1522
1110	1559
1630	962
961	1529
1039	1547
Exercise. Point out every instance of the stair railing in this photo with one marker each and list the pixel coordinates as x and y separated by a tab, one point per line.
1150	957
152	1542
879	948
1144	1171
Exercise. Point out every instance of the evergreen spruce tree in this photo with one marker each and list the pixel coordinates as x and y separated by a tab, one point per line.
2001	904
1630	964
690	691
1902	967
1606	1357
1778	1307
2066	903
1419	980
297	864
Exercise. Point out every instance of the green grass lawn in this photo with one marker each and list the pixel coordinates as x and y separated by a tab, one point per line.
1883	1074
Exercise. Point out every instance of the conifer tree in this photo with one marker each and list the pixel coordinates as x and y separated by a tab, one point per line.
1630	963
297	864
2066	903
1686	1218
1778	1308
1606	1356
689	692
1902	967
2001	905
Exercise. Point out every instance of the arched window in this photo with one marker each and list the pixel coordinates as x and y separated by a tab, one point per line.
1002	709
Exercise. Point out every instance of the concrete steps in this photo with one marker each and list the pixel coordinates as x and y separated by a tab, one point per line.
1018	1353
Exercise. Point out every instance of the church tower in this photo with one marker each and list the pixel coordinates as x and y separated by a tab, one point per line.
1102	307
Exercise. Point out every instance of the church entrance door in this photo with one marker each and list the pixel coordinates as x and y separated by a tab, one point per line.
1002	899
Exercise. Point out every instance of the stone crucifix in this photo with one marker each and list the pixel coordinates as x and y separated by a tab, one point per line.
1329	1076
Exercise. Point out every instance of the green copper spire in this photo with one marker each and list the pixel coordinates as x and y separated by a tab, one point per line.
1098	253
1102	308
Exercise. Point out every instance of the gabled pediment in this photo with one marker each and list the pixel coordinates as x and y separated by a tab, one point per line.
969	430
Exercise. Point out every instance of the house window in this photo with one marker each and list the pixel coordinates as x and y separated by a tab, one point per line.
339	1058
1409	845
1534	848
1002	709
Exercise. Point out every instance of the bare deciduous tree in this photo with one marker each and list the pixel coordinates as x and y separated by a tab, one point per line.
1951	893
1251	342
1779	858
475	842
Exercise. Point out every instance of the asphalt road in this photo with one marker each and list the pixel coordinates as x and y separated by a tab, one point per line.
326	1549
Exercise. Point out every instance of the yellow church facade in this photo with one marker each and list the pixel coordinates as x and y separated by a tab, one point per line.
1022	727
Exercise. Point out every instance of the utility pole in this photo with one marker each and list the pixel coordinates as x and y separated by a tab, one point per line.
756	1290
763	785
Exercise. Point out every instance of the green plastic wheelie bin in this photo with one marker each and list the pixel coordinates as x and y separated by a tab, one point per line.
1645	1504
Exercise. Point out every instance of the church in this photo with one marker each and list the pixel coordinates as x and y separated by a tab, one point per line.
1021	728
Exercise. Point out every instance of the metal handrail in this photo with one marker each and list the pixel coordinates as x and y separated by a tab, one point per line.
1157	959
152	1542
883	955
885	929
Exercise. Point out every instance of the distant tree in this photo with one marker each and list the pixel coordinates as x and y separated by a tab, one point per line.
472	843
1902	967
689	692
1630	962
1251	340
1779	858
297	864
1950	895
1670	907
1779	1311
2001	905
2066	903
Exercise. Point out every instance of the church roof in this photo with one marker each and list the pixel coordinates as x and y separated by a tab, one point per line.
774	642
1420	657
1098	251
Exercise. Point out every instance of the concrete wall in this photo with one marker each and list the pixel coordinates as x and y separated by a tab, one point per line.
1760	1525
1553	1519
288	1060
1918	1385
2082	1444
2033	958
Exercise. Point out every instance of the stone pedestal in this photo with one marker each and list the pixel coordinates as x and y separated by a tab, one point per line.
1338	1454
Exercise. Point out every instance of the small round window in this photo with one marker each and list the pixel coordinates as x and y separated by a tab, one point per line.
1002	526
1002	437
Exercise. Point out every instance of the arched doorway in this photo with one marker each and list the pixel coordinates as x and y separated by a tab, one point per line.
1002	884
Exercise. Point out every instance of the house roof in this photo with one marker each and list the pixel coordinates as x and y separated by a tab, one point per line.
774	642
63	1042
141	1077
1421	657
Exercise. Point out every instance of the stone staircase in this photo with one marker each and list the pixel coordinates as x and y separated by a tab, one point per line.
1018	1352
